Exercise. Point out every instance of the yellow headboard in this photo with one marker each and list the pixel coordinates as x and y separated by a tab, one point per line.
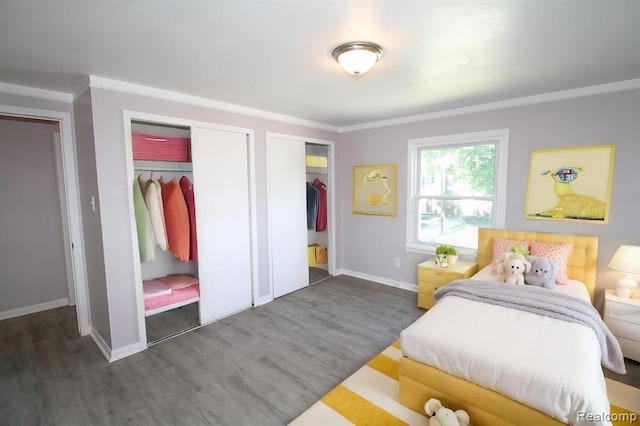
583	259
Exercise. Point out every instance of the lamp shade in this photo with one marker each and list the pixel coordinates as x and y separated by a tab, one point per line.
626	259
357	57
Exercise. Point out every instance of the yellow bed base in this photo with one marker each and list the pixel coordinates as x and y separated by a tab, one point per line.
419	382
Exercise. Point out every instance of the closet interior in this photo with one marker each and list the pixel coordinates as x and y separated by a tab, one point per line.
316	159
166	228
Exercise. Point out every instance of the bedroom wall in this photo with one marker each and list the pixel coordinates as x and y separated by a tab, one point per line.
107	107
369	244
33	260
88	185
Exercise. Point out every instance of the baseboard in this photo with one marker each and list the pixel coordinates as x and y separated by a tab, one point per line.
126	351
379	280
114	355
264	300
12	313
101	344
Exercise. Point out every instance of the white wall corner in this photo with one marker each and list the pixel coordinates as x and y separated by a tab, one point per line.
113	355
101	344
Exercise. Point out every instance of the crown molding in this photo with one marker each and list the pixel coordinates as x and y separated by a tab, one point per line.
600	89
167	95
34	92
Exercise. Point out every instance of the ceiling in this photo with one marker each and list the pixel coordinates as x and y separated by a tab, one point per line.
275	55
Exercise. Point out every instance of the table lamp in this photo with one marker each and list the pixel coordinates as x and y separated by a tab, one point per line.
627	260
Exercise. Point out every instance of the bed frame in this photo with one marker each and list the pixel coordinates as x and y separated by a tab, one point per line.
419	382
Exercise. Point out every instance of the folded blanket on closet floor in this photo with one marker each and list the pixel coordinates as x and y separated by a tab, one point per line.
156	288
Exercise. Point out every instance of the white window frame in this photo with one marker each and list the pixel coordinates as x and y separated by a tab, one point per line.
499	136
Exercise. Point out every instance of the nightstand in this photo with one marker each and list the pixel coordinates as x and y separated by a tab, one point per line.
432	277
622	316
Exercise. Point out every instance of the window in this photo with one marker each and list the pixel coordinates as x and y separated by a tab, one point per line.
456	184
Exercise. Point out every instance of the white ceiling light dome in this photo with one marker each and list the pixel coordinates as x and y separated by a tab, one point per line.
357	57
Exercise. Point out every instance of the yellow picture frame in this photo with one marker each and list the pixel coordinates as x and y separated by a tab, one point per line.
375	189
572	184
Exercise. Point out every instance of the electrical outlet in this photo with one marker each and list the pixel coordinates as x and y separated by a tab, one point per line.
396	262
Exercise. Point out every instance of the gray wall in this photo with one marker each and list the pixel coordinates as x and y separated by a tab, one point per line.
368	244
107	107
32	257
92	231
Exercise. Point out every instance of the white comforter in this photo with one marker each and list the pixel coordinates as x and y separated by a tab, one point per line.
545	363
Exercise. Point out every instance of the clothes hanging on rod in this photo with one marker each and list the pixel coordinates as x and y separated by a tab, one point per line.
312	205
317	205
176	217
153	199
189	197
146	242
321	215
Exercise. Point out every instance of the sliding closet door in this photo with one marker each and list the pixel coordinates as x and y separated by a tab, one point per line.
287	214
221	186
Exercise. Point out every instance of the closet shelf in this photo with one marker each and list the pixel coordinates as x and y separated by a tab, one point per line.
163	166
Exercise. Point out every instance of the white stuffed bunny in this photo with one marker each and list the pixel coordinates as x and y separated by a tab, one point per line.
512	268
442	416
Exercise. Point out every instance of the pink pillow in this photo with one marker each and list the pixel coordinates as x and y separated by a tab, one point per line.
556	251
501	245
180	281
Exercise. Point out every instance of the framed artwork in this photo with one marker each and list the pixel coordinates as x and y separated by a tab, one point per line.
571	184
375	189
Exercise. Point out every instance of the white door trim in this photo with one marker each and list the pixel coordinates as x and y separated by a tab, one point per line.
128	116
331	203
67	158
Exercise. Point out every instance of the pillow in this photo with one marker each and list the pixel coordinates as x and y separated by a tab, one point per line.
556	251
501	245
180	281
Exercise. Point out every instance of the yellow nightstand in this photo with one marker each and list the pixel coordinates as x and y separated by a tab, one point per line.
432	277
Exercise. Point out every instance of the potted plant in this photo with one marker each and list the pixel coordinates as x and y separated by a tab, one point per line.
445	255
452	255
442	252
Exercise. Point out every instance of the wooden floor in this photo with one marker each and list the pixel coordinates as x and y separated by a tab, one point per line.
263	366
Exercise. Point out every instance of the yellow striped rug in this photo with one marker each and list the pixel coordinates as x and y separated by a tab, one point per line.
370	397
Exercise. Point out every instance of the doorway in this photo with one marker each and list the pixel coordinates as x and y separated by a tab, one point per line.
43	216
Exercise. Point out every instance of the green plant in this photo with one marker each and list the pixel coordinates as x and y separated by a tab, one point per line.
446	249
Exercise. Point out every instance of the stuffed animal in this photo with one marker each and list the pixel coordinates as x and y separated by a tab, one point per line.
512	268
543	272
442	416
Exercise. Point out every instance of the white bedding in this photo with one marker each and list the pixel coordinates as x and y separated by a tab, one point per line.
545	363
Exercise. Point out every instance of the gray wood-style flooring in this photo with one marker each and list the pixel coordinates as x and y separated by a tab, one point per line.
263	366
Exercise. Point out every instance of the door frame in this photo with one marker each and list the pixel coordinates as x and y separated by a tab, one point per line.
69	192
331	203
130	115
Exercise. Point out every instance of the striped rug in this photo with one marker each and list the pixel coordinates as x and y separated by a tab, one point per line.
370	397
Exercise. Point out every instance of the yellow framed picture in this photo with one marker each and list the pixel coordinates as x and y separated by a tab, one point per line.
375	189
570	184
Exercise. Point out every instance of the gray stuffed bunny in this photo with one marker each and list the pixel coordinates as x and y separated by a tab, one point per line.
543	272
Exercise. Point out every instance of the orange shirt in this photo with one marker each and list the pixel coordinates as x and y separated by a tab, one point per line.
176	217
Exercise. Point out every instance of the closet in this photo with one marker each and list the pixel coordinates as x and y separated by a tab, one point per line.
202	271
292	235
317	175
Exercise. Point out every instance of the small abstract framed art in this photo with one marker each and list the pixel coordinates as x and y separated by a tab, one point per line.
572	184
375	189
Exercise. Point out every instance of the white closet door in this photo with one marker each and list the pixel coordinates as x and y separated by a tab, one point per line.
287	215
221	186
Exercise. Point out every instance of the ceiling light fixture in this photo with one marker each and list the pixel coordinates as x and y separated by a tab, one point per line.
357	57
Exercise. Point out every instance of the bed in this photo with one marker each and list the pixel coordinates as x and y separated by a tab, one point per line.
444	373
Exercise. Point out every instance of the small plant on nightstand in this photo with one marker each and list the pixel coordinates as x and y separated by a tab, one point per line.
446	254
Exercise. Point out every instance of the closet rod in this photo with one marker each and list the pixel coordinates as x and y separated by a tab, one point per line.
162	166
